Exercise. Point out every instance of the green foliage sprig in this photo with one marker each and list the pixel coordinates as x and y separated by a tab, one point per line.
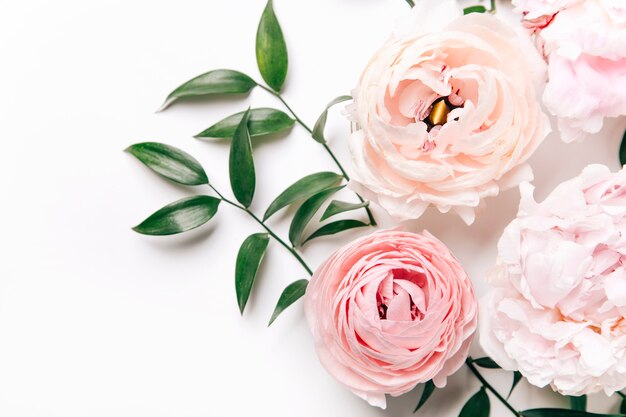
309	193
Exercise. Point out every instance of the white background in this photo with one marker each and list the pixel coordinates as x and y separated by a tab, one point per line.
96	320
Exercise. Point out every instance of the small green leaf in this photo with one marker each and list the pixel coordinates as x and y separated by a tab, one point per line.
487	363
622	150
475	9
271	51
336	207
262	121
180	216
477	406
248	261
562	412
335	227
517	377
290	295
221	81
301	189
429	388
241	164
169	162
305	213
320	124
578	403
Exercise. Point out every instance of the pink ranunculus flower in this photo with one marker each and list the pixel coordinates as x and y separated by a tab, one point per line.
558	310
448	113
390	311
584	43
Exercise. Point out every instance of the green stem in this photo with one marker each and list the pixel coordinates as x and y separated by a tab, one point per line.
493	6
621	394
328	150
271	233
410	2
469	362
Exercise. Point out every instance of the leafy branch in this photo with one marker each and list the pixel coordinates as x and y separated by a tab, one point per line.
478	405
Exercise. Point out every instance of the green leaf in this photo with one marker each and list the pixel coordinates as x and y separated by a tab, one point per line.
241	164
622	150
301	189
290	295
221	81
262	121
429	388
578	403
169	162
320	124
336	207
305	213
180	216
271	51
517	377
487	363
561	412
335	227
475	9
248	261
477	406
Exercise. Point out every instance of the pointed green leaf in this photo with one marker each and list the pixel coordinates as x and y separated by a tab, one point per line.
303	188
248	261
180	216
477	406
169	162
475	9
320	124
336	207
487	363
305	213
290	295
262	121
429	388
622	150
562	412
335	227
241	164
221	81
578	403
517	377
271	51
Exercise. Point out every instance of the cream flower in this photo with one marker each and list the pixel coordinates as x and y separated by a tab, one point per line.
447	112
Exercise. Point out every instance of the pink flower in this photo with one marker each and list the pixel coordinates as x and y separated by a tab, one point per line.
389	311
558	310
584	42
409	154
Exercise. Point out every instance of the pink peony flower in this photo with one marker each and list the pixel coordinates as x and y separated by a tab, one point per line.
557	312
584	42
390	311
448	113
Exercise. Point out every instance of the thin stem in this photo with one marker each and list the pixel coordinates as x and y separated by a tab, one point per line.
410	2
295	116
621	394
271	233
487	385
328	150
493	6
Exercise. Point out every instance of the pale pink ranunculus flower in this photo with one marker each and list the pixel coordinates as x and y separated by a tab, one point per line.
584	43
557	312
389	311
404	157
